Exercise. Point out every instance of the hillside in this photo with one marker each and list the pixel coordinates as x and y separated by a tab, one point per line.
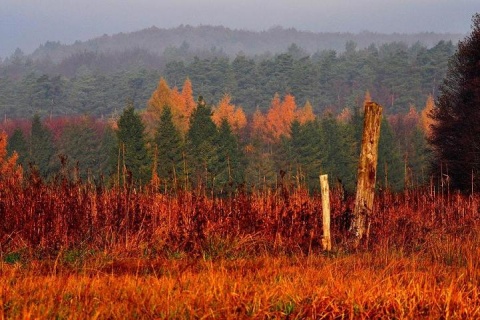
331	70
229	41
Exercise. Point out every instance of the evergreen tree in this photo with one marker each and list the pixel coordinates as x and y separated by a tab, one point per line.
230	170
109	155
18	143
390	167
134	159
82	145
169	149
455	133
201	145
41	148
420	159
339	151
305	153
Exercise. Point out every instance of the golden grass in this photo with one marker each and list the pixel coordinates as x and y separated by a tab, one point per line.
354	286
73	251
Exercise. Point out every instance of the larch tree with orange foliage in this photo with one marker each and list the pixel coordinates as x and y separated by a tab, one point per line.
188	104
160	98
225	110
305	114
259	125
280	117
426	116
181	105
10	171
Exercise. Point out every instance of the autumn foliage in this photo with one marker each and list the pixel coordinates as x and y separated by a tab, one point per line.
10	171
234	115
181	104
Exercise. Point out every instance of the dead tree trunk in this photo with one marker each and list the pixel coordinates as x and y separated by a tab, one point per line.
367	172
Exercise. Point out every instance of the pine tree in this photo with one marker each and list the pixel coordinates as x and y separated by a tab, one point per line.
41	148
169	150
455	134
134	159
305	153
201	145
230	170
17	143
391	167
82	145
420	159
339	150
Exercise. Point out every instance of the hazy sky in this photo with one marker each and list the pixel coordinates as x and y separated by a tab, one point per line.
28	23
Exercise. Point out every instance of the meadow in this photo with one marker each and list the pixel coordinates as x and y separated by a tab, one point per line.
76	250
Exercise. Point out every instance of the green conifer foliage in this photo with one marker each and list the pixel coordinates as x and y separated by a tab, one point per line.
391	167
455	132
82	145
18	143
169	152
134	159
41	148
230	170
201	146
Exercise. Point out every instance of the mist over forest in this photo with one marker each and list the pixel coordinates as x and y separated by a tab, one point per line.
331	70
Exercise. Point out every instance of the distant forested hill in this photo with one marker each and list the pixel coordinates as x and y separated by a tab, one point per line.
331	70
178	42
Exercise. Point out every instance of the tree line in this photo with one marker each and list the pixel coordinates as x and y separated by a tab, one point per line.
179	143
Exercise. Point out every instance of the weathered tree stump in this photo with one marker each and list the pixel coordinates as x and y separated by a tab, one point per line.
367	172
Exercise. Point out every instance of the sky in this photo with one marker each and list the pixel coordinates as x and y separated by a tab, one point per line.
26	24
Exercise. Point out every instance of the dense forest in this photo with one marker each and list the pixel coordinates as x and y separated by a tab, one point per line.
179	143
397	76
130	115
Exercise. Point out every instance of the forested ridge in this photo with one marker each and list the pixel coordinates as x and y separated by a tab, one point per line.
397	76
187	41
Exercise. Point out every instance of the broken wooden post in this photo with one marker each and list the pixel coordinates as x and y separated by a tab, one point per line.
326	240
367	172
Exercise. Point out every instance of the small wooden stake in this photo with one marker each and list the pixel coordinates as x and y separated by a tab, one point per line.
326	241
367	172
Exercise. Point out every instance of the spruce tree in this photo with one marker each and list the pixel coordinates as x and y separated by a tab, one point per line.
201	145
230	169
18	143
169	152
134	159
455	132
391	167
41	148
81	144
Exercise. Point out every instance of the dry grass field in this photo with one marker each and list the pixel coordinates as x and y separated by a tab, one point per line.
76	251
